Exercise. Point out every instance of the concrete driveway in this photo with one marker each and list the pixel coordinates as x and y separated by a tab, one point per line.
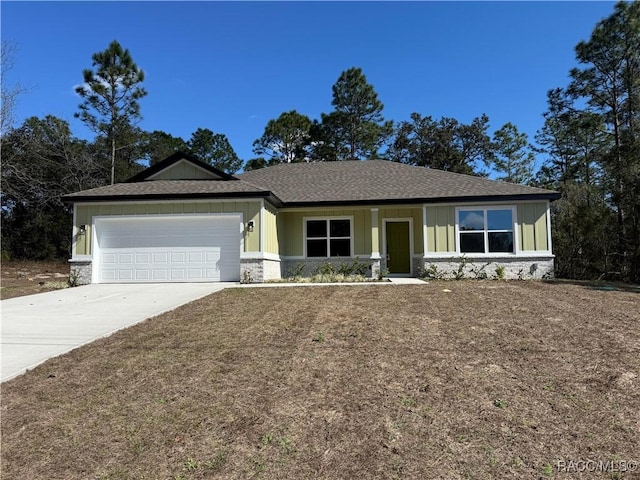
38	327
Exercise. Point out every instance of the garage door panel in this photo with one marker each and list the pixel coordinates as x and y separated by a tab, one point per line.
196	257
124	274
160	257
125	258
178	257
178	274
143	258
142	274
160	275
164	249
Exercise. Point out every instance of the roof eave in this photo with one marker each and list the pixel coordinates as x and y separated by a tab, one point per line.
170	196
552	196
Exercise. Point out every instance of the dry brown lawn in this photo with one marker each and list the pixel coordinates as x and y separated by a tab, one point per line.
494	380
24	277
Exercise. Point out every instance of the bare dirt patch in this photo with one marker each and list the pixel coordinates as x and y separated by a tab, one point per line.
20	278
489	380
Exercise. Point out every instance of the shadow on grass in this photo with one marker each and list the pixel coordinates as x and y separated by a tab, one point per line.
601	285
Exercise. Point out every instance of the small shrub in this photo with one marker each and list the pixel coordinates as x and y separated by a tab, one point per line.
246	277
500	271
326	268
382	272
431	272
459	273
297	271
74	279
479	273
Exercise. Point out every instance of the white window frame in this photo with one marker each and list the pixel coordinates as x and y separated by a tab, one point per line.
485	231
328	238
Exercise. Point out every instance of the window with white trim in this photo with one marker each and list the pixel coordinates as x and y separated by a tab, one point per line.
329	237
485	230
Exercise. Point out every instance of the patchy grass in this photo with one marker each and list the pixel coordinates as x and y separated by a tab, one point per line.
23	277
492	380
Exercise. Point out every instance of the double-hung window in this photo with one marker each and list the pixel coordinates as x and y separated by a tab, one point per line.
485	230
328	237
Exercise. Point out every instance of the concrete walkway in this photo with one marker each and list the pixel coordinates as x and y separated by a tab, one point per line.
38	327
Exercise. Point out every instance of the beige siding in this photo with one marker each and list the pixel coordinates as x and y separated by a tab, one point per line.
184	171
532	226
291	228
271	243
441	229
85	214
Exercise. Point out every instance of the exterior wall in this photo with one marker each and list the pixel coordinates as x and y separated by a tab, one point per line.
184	171
258	270
250	211
414	213
271	243
280	235
81	270
441	231
516	268
532	226
291	229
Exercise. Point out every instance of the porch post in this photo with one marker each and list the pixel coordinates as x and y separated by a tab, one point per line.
375	243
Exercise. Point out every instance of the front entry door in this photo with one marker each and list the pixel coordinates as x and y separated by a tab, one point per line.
398	248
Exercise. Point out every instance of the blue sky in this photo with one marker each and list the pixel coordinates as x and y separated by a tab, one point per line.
231	67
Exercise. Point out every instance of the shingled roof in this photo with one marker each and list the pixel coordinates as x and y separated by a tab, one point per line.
380	181
170	189
327	183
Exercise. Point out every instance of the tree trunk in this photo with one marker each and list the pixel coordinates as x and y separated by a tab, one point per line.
113	159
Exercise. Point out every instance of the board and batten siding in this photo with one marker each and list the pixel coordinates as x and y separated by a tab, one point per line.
291	229
441	229
415	213
183	171
271	241
531	228
85	213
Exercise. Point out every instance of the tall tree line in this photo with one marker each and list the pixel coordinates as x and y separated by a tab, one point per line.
42	159
591	136
590	141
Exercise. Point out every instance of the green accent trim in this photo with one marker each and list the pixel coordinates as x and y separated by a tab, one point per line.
398	247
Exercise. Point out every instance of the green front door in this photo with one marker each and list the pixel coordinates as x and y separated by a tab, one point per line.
398	247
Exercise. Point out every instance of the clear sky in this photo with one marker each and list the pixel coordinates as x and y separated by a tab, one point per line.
232	66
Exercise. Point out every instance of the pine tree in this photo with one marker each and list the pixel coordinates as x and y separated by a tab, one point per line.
110	96
356	128
513	156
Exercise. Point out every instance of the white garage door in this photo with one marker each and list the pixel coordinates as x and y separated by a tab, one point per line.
168	249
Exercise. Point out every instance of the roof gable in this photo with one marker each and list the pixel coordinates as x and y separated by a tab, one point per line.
180	166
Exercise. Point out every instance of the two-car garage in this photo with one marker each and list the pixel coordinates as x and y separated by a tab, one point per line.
167	248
